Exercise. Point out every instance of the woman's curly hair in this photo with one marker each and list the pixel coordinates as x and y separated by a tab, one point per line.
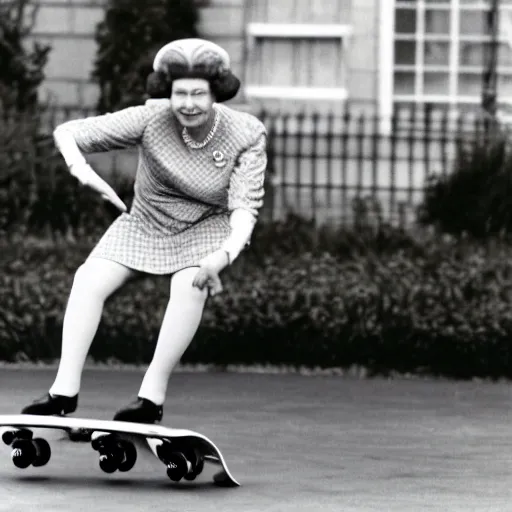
224	84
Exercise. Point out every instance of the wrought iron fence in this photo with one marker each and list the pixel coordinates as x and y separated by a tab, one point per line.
332	168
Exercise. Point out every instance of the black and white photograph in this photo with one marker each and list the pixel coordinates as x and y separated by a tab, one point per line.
256	255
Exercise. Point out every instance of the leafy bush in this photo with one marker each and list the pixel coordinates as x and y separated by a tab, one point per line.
22	71
433	305
38	196
476	198
128	39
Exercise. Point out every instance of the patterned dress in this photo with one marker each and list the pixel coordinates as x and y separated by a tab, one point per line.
182	197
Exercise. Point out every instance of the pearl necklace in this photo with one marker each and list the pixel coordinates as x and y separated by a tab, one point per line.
193	144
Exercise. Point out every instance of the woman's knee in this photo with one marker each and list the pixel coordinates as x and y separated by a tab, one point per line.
181	285
100	277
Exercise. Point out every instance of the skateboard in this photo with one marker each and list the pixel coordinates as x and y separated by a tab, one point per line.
183	452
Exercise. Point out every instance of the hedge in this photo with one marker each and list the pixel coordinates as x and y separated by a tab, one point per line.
389	302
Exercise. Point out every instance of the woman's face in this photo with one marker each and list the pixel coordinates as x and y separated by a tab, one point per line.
191	101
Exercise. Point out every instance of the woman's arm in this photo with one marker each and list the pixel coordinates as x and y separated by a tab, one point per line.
120	130
245	198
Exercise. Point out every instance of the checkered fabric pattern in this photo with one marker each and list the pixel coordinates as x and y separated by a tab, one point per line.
182	199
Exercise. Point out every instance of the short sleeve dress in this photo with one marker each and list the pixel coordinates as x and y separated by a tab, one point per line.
182	197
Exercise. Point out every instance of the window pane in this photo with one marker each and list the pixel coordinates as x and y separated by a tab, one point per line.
437	21
321	63
473	2
505	55
405	21
437	59
475	54
437	53
473	23
469	2
505	86
436	83
469	84
405	52
471	54
404	82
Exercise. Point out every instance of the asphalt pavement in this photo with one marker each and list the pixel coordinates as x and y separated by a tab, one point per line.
295	443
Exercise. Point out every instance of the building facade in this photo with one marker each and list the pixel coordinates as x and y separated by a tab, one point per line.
321	55
289	53
437	51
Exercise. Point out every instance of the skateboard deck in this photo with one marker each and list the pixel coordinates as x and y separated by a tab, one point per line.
183	452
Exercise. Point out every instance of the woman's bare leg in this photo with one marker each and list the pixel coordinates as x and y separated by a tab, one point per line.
95	281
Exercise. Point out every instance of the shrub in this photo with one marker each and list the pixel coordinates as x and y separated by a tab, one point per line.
38	196
435	305
22	71
476	198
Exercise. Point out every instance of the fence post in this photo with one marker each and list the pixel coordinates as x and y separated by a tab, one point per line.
427	138
361	125
269	204
329	136
347	117
443	140
411	139
285	121
375	140
300	118
315	119
393	138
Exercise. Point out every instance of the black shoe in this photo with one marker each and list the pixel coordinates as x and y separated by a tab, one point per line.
141	410
52	405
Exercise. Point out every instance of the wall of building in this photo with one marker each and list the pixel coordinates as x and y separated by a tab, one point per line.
318	62
69	25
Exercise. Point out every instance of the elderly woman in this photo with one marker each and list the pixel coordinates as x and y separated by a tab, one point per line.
198	189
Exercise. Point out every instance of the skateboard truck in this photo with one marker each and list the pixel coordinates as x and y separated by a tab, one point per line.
115	454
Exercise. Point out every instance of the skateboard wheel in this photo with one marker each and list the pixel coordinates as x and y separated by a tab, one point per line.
23	453
43	452
197	469
9	436
177	466
108	463
111	456
129	455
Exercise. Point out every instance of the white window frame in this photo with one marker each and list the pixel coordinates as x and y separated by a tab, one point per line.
386	59
387	68
255	31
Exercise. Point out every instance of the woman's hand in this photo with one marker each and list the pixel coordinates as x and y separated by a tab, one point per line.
209	270
84	173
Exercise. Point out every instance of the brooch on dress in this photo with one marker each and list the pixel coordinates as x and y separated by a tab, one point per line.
219	159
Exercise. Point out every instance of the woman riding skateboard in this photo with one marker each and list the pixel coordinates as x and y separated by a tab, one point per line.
197	193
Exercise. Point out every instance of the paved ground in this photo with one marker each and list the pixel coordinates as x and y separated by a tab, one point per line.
295	443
